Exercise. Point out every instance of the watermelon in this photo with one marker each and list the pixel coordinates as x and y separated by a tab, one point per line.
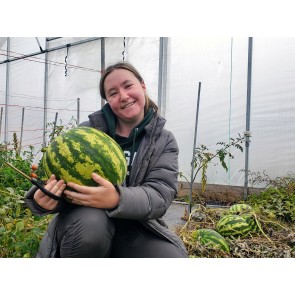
239	209
232	225
76	153
250	219
211	239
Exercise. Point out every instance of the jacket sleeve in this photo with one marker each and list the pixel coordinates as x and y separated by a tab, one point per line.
156	187
38	210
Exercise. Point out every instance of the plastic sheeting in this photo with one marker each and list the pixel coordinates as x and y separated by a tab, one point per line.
220	64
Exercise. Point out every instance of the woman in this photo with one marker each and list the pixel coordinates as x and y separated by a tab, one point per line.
118	221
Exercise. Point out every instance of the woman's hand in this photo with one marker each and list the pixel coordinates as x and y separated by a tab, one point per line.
103	196
55	187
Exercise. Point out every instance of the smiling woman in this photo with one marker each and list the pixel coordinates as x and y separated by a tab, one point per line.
106	220
126	97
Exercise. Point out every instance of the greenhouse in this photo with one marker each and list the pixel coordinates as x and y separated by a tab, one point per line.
228	98
47	80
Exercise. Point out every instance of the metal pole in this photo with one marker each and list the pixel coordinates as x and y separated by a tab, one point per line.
230	106
41	49
7	92
162	75
53	38
164	81
194	150
78	111
45	94
102	63
248	111
49	50
22	130
1	116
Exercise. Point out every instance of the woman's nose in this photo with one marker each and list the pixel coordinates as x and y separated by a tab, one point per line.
124	94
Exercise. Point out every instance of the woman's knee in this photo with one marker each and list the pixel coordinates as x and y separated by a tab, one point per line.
85	232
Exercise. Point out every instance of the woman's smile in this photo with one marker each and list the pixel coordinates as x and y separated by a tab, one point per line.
128	105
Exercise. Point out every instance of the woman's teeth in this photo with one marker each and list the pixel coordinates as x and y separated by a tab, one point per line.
128	105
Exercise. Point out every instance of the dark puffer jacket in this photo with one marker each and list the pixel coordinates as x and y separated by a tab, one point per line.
152	185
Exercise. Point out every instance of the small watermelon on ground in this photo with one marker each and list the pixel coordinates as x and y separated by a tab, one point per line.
211	239
75	154
232	225
239	209
250	219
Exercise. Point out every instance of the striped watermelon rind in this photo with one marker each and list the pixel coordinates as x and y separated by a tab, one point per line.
238	209
250	219
75	154
232	225
211	239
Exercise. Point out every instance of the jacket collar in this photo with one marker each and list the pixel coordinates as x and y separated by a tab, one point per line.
98	120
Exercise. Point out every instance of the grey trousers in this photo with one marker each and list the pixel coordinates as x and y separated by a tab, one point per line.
87	232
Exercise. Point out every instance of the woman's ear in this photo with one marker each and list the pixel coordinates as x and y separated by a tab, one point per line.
143	86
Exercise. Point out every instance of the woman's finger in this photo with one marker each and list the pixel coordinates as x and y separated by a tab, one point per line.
39	194
52	177
80	188
100	180
54	186
57	188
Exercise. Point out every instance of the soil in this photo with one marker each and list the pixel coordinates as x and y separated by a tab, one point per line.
214	194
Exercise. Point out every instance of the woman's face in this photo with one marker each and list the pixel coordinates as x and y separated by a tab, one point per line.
125	95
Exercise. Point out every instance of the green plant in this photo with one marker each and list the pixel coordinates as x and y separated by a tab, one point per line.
262	179
22	161
203	157
277	199
56	130
20	231
276	203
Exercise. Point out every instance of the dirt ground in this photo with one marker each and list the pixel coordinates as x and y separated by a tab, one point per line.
214	194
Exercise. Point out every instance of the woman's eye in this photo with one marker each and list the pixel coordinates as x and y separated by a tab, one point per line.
113	93
128	85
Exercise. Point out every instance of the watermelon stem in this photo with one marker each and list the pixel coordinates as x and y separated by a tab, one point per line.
260	228
276	223
190	217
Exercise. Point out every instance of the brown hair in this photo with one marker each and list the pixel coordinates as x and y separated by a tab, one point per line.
132	69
